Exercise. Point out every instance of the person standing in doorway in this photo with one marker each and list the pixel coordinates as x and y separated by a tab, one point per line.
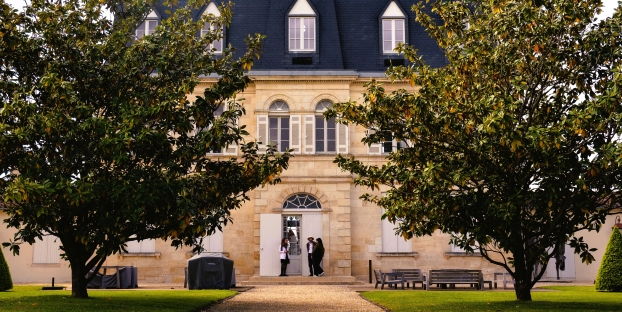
318	254
310	247
284	250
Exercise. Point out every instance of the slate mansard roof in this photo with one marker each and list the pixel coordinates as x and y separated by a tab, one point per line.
348	34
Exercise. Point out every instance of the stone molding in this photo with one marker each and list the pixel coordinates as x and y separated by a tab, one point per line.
397	254
461	254
157	255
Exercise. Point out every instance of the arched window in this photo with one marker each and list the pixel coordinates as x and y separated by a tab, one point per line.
279	128
325	130
302	201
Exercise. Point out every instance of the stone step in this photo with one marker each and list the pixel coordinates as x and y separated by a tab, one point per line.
299	280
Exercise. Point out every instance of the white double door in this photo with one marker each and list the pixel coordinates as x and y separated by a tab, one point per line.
274	227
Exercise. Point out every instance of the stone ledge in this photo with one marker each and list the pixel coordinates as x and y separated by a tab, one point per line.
461	254
397	254
141	254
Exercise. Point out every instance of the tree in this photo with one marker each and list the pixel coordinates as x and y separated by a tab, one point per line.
513	145
99	143
6	282
609	276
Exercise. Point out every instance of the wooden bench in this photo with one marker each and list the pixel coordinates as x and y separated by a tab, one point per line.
442	278
413	275
390	279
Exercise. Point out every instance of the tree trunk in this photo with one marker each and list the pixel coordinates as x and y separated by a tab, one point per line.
523	289
78	280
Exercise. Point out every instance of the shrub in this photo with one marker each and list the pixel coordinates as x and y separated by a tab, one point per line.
609	276
5	275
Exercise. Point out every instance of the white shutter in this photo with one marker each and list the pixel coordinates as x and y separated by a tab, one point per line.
311	226
375	148
143	246
231	149
404	245
294	133
262	133
342	138
269	242
389	241
213	243
46	250
309	136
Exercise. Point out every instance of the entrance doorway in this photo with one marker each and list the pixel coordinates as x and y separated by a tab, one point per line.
291	231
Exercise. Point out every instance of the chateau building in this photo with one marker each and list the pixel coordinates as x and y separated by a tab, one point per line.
316	52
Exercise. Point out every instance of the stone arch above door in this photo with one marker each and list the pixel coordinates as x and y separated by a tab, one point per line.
289	191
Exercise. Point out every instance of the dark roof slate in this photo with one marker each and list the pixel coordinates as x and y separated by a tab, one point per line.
348	34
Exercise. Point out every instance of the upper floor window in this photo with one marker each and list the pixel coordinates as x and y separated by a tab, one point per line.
393	28
217	45
302	27
389	144
325	130
148	26
279	128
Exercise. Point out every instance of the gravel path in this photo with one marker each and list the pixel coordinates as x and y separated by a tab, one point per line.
296	298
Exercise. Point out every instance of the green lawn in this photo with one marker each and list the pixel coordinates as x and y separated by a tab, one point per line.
558	298
32	298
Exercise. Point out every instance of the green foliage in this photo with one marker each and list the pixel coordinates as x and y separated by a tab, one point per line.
6	282
609	276
513	146
99	142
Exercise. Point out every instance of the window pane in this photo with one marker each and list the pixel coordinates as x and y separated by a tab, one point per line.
294	33
284	128
399	31
331	146
140	31
331	135
274	130
152	26
319	134
217	45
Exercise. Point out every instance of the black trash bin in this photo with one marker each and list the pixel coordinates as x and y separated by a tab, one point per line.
210	271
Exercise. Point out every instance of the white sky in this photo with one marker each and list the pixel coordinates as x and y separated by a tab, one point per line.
608	6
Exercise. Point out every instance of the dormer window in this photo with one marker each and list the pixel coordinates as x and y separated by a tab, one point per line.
210	27
148	26
393	28
302	27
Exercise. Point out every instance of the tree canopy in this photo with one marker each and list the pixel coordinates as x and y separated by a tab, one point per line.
513	146
99	142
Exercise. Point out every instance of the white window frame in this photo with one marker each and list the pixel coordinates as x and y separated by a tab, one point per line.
279	114
392	37
320	108
144	28
217	45
46	250
302	39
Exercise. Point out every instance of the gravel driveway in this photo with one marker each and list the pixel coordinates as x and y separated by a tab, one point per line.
296	298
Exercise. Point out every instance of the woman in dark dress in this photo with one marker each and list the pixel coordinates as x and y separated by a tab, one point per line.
318	254
284	250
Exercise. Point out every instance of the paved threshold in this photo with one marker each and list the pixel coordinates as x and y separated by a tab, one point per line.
280	298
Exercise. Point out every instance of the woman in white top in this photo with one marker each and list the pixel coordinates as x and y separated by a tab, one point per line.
284	250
